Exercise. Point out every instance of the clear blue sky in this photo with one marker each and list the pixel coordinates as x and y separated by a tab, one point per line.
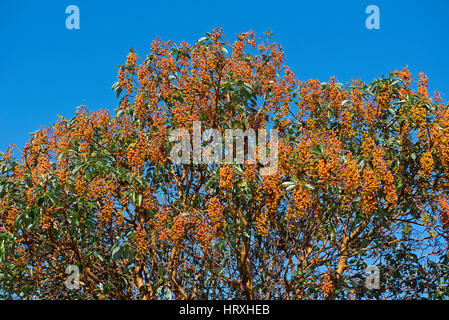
48	70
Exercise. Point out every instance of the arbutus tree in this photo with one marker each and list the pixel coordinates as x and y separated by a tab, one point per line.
362	179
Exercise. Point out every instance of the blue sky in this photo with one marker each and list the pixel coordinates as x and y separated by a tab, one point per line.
47	69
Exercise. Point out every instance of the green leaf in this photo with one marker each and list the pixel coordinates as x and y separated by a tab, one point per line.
318	149
139	200
121	252
308	186
332	230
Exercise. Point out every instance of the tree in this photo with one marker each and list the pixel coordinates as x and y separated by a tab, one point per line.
362	180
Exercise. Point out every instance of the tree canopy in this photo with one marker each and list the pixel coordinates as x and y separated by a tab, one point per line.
362	180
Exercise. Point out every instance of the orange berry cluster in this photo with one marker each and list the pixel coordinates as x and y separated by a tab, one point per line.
427	163
140	240
261	224
327	286
370	187
215	212
444	213
226	178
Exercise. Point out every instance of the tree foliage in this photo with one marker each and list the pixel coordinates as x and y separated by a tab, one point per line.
363	179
